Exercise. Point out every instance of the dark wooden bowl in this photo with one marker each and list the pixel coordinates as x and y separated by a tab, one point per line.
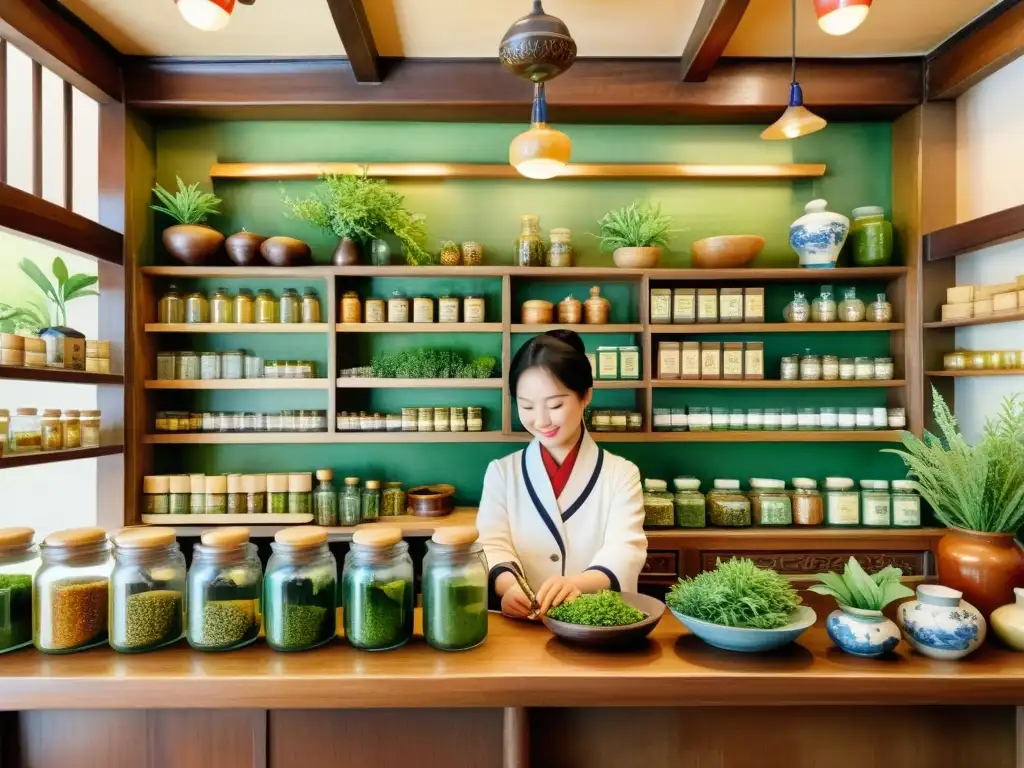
192	244
286	252
631	634
244	248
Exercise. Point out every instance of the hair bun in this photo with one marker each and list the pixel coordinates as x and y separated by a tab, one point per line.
569	337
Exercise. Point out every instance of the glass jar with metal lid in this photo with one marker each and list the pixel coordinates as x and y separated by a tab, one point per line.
225	590
659	511
864	368
71	591
560	253
455	590
245	307
728	506
808	508
221	306
289	307
311	311
377	589
171	307
370	509
71	429
688	503
769	502
883	368
810	367
19	561
209	365
790	368
851	309
266	307
392	499
875	504
842	507
147	590
830	367
350	503
50	430
197	308
448	309
906	505
299	590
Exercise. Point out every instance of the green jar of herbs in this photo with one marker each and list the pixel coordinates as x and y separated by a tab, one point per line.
377	589
350	503
180	495
870	237
299	590
689	503
769	502
300	493
147	590
727	505
370	511
455	590
225	591
155	490
277	494
393	500
325	499
19	561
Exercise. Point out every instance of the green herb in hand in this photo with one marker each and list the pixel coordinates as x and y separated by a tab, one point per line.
603	609
736	594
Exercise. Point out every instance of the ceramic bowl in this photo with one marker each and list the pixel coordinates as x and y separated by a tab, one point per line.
726	251
601	636
636	258
750	640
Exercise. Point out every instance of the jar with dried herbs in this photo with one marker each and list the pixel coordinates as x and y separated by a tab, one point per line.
798	310
658	504
155	490
266	307
225	590
25	431
236	495
179	494
197	308
171	307
289	307
455	590
350	503
245	307
147	590
529	247
808	508
393	499
19	562
560	253
277	494
769	502
370	510
851	309
689	503
880	310
472	254
71	429
300	492
728	506
824	308
299	590
216	494
398	308
311	312
197	494
325	500
71	591
377	589
255	494
221	306
52	439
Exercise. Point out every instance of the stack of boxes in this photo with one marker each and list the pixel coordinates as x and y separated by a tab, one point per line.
968	301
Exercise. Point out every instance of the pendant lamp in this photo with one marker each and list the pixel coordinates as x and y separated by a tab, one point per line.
541	152
841	17
797	120
207	15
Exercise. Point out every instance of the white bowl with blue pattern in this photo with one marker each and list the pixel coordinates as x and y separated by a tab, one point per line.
861	632
818	236
749	640
940	624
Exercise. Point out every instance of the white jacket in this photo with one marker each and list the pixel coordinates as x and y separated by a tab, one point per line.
596	524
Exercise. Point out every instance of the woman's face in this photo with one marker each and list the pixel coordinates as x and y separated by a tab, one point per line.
550	412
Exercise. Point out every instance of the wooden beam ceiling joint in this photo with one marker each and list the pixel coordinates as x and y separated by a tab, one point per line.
357	37
715	27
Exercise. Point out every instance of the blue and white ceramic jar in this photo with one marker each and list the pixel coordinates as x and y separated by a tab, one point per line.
862	633
818	235
940	624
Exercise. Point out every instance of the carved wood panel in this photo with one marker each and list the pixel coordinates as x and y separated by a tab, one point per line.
661	564
809	563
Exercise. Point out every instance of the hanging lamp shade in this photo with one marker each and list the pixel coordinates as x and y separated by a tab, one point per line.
541	152
207	15
841	17
796	121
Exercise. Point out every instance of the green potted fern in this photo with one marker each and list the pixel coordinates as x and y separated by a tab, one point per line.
978	493
635	235
190	240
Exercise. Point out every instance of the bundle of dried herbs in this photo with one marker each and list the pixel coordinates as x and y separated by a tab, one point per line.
736	594
602	609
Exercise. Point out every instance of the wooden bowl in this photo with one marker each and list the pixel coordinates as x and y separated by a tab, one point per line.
431	500
192	244
636	258
286	252
612	636
726	251
244	248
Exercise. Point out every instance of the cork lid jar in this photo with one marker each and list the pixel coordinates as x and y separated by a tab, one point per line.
84	546
16	549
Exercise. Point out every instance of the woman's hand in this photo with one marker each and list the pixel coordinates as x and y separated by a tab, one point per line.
555	591
515	604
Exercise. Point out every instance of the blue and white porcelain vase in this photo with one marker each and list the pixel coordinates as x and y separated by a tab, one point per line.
940	624
818	235
861	632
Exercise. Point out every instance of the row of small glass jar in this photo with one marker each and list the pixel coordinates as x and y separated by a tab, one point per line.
769	503
811	367
974	360
703	419
825	310
241	421
224	308
27	431
235	364
443	419
396	309
614	421
70	594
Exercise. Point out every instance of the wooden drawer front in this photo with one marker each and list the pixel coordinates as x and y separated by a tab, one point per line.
810	563
661	565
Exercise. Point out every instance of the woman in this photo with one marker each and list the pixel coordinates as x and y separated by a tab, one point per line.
563	513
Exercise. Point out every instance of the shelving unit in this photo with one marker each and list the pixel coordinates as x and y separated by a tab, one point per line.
237	328
698	329
418	327
955	374
60	375
997	317
212	384
8	461
772	384
370	383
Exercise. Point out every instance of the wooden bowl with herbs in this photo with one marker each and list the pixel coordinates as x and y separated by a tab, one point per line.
606	618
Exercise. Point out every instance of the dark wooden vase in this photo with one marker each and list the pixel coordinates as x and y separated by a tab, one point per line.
347	254
192	244
984	566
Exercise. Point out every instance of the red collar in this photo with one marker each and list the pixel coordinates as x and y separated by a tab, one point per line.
559	475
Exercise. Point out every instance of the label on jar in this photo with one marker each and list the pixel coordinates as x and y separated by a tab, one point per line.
808	419
731	308
789	371
608	364
788	420
753	309
473	310
876	510
684	307
776	512
732	363
423	310
754	363
375	311
843	508
906	510
448	310
707	307
629	360
661	307
810	370
398	310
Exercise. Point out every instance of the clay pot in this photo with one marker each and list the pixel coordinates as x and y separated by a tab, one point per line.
636	258
286	252
244	248
347	253
1008	622
986	567
192	244
726	251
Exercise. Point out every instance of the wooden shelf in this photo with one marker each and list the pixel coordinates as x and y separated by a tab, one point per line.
1000	372
59	375
242	384
620	384
780	274
777	436
412	526
370	383
772	384
418	327
606	328
237	328
10	460
698	329
271	438
999	227
815	533
441	171
998	317
226	519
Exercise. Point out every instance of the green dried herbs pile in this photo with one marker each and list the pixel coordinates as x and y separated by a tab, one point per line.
15	611
454	613
378	616
224	615
300	612
602	609
152	618
430	364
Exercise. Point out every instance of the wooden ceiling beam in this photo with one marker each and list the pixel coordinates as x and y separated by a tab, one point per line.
989	43
715	27
357	37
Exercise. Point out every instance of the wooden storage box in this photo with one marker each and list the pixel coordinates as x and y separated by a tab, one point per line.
958	311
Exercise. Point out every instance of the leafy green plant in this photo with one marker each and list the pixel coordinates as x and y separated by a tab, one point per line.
975	488
430	364
363	209
68	287
188	205
602	609
736	594
854	588
638	225
25	321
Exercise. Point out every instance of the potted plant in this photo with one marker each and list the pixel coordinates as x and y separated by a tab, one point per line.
978	493
635	235
858	626
190	240
359	209
57	296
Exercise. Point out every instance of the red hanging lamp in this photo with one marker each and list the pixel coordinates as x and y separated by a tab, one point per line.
841	17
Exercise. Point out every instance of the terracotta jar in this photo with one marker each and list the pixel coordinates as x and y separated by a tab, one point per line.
986	567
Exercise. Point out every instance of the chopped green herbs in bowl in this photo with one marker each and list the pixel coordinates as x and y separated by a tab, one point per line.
605	618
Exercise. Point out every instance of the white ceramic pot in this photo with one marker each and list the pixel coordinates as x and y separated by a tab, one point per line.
818	235
940	624
1008	622
862	633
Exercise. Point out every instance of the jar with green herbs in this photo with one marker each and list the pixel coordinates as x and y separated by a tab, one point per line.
529	247
180	491
370	511
769	502
870	237
255	494
197	494
71	591
225	590
392	502
216	494
325	499
728	506
19	561
300	493
658	505
147	590
350	503
277	494
377	589
155	498
455	590
299	590
689	503
236	495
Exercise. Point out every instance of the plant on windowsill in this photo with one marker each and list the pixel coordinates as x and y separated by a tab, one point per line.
68	287
190	240
635	235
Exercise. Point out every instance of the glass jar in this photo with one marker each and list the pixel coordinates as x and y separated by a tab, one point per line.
209	365
808	508
662	419
658	504
896	418
19	561
955	361
197	494
474	419
737	419
147	590
829	367
448	309
255	494
377	589
245	307
398	308
50	434
299	590
842	507
225	591
350	504
824	308
179	494
458	420
847	369
1011	359
71	591
772	419
755	419
880	310
5	429
697	420
370	509
442	419
472	254
870	237
221	306
798	310
529	248
155	498
473	309
310	310
266	307
789	369
325	500
851	309
879	417
994	360
171	307
688	503
232	364
906	506
422	309
393	499
875	508
455	580
351	308
71	429
289	307
808	419
769	502
788	419
216	494
560	253
277	494
810	367
883	369
235	495
828	418
197	308
727	505
166	366
300	491
864	417
719	418
864	368
187	366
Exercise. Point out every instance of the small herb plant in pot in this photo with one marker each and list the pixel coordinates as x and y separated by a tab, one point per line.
635	235
190	240
978	493
858	626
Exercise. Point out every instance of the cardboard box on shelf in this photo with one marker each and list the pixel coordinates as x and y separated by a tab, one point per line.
958	311
1004	302
983	307
988	291
961	294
